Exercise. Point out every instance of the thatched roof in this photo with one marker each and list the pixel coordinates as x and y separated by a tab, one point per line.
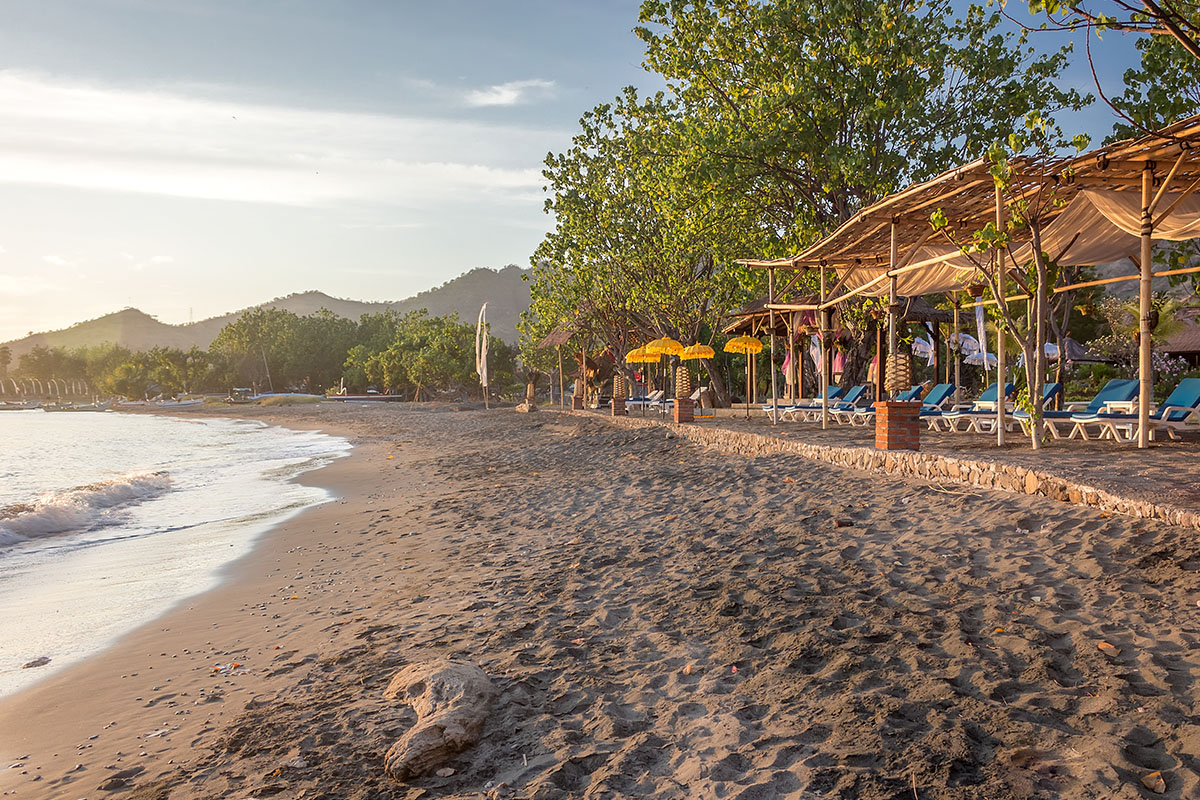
966	195
918	309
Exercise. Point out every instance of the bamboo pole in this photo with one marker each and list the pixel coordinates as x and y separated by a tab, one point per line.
792	393
1145	375
892	301
562	393
879	361
771	359
821	316
958	355
1001	354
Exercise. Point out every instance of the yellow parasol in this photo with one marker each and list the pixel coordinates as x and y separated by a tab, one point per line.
743	344
639	356
750	346
666	346
695	351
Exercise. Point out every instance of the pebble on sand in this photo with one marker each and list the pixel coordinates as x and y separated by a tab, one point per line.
1155	782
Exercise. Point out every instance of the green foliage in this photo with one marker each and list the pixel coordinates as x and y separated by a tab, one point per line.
641	243
1123	317
304	352
1164	88
424	357
817	107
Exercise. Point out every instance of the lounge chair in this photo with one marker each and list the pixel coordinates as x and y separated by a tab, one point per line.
1118	390
933	403
648	400
864	415
847	403
1179	412
670	401
790	411
986	422
984	404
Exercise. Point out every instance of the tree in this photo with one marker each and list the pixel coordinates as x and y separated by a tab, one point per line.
1164	88
642	247
819	107
808	110
5	360
992	246
1177	20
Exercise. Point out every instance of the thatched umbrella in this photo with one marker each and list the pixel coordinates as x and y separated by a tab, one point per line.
749	346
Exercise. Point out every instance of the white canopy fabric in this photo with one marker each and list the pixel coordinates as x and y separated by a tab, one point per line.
1097	227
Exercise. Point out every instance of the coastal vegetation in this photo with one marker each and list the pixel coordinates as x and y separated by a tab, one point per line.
414	354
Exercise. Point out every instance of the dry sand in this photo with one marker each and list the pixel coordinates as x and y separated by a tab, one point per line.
661	621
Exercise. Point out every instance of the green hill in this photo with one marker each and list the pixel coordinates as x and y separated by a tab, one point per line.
503	290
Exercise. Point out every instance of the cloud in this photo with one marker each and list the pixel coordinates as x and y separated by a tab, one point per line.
512	93
58	261
65	133
27	286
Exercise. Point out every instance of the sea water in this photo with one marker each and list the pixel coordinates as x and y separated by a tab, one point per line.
107	520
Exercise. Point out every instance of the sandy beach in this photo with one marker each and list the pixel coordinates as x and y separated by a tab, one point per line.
660	620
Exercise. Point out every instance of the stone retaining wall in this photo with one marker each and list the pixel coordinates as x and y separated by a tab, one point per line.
924	465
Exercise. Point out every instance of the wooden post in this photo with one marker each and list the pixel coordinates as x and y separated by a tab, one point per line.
821	317
1145	348
792	392
771	358
800	370
562	392
1001	302
893	257
880	362
958	355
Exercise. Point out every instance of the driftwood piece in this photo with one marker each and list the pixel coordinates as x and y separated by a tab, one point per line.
452	700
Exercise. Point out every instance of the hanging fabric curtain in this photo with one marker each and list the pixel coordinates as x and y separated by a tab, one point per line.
981	329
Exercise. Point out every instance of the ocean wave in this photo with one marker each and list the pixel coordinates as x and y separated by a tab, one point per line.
78	509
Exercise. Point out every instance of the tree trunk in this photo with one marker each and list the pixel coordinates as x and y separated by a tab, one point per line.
1039	337
857	362
717	381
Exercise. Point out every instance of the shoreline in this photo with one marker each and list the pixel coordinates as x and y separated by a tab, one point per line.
41	699
660	620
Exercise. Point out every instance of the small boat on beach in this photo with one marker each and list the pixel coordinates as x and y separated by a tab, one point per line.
29	405
182	403
97	406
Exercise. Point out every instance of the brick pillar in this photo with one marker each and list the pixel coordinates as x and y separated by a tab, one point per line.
685	409
618	407
576	402
897	426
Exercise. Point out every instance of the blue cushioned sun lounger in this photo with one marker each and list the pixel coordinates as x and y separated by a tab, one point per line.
1179	412
1117	390
952	419
986	422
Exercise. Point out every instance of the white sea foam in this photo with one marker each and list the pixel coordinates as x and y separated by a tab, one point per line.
79	509
108	520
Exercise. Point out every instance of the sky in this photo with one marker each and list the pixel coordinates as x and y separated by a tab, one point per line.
194	157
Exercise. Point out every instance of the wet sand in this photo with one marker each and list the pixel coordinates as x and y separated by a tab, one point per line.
660	620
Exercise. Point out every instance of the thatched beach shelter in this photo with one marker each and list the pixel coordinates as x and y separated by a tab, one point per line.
1109	204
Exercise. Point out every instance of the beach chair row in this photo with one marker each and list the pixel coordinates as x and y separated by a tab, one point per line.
1111	414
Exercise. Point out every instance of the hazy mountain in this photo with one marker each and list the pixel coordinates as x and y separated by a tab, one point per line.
503	290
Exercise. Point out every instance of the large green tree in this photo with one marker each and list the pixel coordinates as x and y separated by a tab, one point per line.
815	108
642	245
